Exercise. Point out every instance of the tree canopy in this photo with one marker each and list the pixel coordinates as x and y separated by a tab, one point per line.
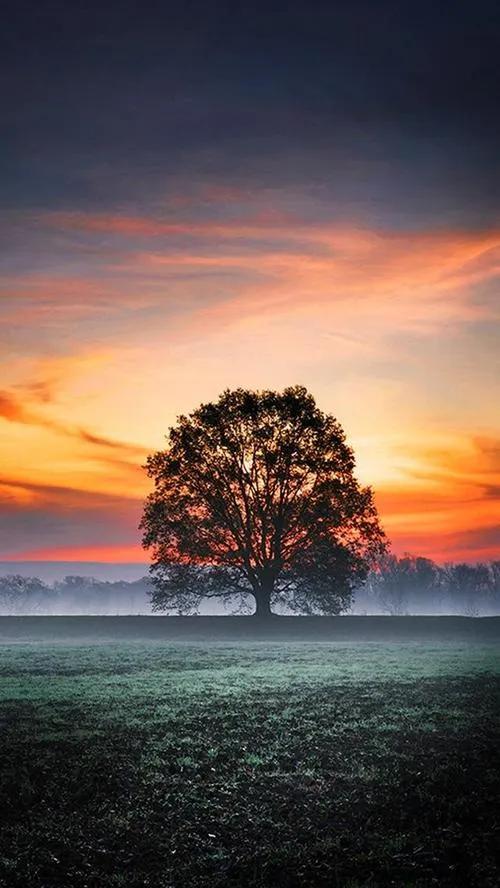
255	494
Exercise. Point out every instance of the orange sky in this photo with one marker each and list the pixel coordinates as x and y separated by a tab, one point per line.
130	320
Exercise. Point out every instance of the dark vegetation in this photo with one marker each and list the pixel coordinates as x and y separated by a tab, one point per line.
191	766
400	586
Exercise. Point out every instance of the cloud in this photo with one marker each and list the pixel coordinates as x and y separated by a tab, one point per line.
470	544
12	409
110	554
446	504
268	222
60	298
244	262
111	443
470	462
280	259
35	517
59	496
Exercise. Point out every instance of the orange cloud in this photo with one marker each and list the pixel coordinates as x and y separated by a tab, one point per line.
470	545
448	504
270	222
406	277
108	554
275	264
13	410
10	408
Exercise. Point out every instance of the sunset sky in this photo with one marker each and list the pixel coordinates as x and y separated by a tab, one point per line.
199	196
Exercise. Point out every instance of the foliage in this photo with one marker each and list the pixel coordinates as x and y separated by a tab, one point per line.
269	766
79	594
21	594
398	581
418	585
255	495
72	595
471	584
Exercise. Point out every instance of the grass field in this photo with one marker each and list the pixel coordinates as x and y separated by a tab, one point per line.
249	764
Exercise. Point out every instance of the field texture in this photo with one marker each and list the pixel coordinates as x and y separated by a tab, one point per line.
329	764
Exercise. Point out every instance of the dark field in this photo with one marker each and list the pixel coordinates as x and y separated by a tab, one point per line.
243	628
250	764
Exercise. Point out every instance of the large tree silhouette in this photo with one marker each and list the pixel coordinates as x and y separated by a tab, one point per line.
255	494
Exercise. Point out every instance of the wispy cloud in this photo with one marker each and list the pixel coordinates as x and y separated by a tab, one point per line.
13	409
447	502
217	272
299	262
39	519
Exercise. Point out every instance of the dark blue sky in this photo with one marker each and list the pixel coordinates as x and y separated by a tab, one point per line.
387	108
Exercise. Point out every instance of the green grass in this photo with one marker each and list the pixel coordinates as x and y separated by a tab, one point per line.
249	764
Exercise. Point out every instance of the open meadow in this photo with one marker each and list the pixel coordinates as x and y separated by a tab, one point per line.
165	764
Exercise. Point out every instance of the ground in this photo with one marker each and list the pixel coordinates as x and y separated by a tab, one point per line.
163	765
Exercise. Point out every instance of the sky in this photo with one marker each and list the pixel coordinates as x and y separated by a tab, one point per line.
199	196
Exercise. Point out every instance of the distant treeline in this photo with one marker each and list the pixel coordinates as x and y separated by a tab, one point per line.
73	595
413	585
407	585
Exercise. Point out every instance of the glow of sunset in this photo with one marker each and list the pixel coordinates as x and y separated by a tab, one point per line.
193	202
388	331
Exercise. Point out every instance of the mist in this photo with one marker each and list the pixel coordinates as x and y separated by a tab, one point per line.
401	586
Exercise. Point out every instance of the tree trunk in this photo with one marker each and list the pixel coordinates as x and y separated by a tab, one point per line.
263	603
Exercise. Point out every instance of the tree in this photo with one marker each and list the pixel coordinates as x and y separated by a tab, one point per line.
255	495
82	594
494	587
400	584
88	595
468	586
21	595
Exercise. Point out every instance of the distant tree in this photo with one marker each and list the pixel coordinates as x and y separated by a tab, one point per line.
22	595
89	595
255	495
467	587
401	585
82	594
494	587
